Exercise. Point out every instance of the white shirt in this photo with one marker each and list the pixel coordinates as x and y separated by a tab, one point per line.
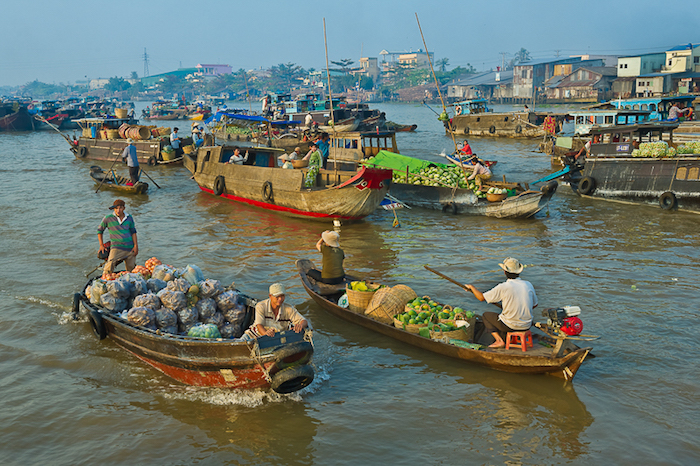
174	140
517	298
308	120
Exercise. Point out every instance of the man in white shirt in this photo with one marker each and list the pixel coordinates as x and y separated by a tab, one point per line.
273	315
516	297
175	141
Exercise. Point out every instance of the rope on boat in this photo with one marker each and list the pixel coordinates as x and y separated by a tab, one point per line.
255	356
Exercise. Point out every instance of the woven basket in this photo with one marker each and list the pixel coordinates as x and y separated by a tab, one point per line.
411	328
300	163
458	334
188	149
404	292
385	304
496	197
359	300
121	112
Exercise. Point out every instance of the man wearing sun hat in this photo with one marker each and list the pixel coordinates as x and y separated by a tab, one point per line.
122	236
515	296
132	161
273	315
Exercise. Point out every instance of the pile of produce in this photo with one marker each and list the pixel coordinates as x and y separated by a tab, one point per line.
232	129
449	176
178	301
692	147
656	149
422	311
362	286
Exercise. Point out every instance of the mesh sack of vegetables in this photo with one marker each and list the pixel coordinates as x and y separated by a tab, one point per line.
112	303
236	315
179	284
192	274
137	285
188	316
210	288
173	329
231	330
98	288
204	331
217	319
155	284
206	308
174	300
227	300
119	289
142	317
165	317
163	272
148	300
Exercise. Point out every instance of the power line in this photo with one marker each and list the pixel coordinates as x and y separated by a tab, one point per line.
145	63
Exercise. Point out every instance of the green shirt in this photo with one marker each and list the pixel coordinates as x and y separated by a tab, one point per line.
332	262
120	233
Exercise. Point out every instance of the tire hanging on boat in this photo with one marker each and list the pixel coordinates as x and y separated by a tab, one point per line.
219	185
492	129
295	354
466	130
667	200
292	379
97	324
76	306
267	191
152	160
586	186
458	110
518	129
82	151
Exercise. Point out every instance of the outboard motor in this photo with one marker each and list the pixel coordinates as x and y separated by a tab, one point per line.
564	319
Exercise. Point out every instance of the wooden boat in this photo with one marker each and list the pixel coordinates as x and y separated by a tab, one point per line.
261	183
342	126
15	117
280	362
463	161
391	126
563	360
614	171
116	182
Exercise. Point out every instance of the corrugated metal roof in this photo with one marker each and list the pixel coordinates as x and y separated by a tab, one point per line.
486	79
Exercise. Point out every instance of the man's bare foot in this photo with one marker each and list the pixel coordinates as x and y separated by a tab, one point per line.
498	344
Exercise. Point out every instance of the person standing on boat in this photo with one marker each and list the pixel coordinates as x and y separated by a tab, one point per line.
308	120
675	112
332	272
132	161
481	172
315	162
124	245
273	315
324	147
516	298
175	141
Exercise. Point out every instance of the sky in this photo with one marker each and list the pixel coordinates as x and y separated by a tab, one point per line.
61	41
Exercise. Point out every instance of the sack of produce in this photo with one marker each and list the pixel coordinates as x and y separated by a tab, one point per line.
179	284
236	315
188	316
155	285
137	285
163	272
142	317
206	308
148	300
143	271
231	331
204	331
216	319
112	303
174	300
210	288
172	329
97	289
192	274
227	300
119	289
165	318
152	263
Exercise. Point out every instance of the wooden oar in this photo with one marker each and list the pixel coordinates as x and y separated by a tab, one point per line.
44	120
149	177
461	285
105	177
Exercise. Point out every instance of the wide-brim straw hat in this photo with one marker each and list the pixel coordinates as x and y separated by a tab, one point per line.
511	265
331	238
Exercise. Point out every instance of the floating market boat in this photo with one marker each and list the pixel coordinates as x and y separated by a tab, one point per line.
261	183
656	173
557	356
280	362
416	190
116	182
14	116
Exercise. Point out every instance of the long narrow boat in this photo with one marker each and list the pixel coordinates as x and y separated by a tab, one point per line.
261	183
280	362
116	182
561	358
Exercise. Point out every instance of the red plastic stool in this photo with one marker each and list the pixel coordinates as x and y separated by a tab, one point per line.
524	339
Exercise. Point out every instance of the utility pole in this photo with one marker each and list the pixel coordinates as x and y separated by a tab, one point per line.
503	60
556	52
145	63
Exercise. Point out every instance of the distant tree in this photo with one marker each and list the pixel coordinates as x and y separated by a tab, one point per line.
284	73
442	63
134	75
117	84
344	65
521	56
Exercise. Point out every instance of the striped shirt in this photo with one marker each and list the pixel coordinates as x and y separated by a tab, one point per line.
120	231
286	318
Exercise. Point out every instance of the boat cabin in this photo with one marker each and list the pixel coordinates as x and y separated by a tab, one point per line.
257	156
347	149
657	106
471	107
91	127
621	140
581	122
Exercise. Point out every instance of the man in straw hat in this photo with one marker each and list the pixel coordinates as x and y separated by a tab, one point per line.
122	236
273	315
516	297
332	271
132	161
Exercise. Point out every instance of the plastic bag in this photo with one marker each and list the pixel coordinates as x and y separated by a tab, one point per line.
231	331
119	289
155	285
236	315
217	319
172	329
165	317
204	331
148	300
193	274
188	316
137	285
163	272
142	317
227	300
112	303
206	308
98	288
179	284
174	300
210	288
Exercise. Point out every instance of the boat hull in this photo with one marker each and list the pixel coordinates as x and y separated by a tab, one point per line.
20	120
500	125
109	150
534	361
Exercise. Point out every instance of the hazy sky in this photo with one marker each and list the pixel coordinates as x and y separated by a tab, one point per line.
57	41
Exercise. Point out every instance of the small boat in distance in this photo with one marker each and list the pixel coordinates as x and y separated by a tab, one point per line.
116	182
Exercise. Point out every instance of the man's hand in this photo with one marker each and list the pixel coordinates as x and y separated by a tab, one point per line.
270	332
103	248
135	251
301	325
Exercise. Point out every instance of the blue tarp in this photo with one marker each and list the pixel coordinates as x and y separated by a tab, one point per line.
239	116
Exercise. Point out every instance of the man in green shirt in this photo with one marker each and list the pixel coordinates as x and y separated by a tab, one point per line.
122	236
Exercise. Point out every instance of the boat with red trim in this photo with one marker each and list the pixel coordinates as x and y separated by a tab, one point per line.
280	362
342	195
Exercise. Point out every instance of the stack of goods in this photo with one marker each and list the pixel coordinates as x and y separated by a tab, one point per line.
450	177
177	301
692	147
428	318
387	302
359	295
656	149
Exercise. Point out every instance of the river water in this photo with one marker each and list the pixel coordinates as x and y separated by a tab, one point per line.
70	399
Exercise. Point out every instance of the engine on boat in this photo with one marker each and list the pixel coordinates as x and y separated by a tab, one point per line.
564	319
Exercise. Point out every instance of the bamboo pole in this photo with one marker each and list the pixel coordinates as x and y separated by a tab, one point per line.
330	97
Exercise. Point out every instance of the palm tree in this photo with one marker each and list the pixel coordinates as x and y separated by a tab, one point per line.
442	64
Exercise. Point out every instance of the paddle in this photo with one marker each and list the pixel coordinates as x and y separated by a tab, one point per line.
149	177
461	285
105	177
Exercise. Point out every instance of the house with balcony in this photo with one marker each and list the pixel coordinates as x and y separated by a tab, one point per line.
583	85
529	77
495	85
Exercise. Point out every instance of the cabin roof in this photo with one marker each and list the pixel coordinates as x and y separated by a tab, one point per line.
640	128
